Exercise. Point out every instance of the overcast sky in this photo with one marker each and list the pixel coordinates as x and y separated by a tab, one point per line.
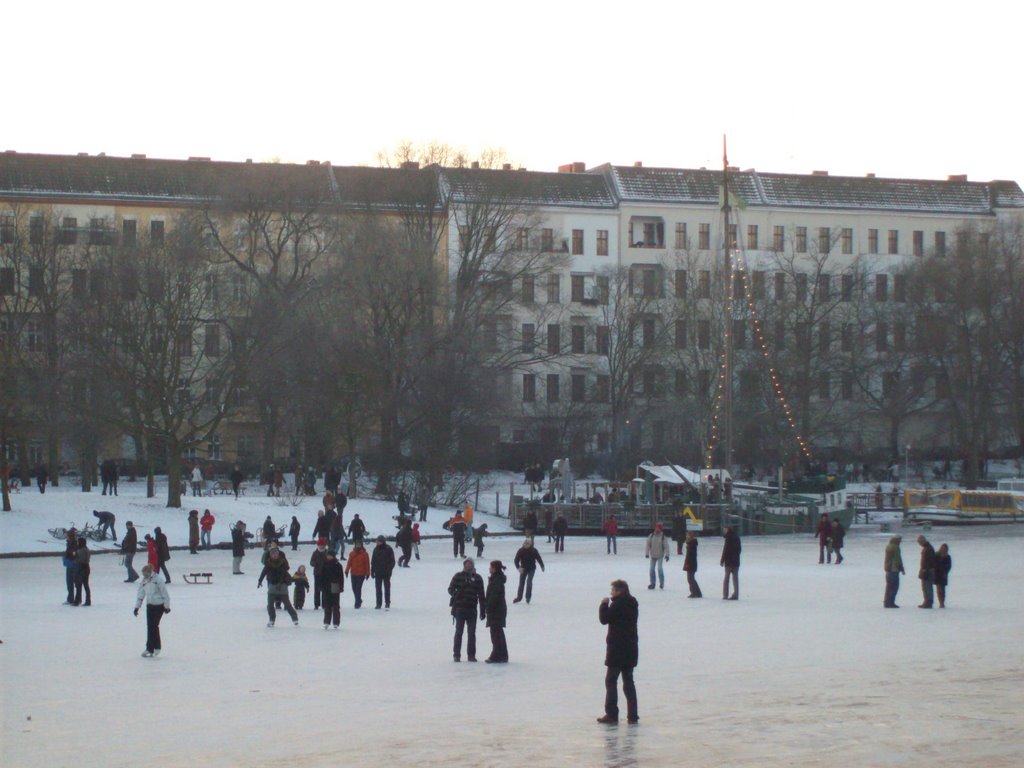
908	89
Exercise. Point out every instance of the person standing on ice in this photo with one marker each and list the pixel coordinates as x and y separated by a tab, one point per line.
690	565
611	534
358	569
496	613
70	548
927	572
236	478
403	540
824	534
237	548
277	576
193	532
300	582
467	597
82	571
163	553
129	545
332	582
893	565
478	539
206	527
356	529
620	613
657	550
152	556
382	563
526	561
197	480
158	602
317	561
457	526
943	565
293	532
731	549
838	538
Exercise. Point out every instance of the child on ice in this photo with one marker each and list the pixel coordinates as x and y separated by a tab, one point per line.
301	587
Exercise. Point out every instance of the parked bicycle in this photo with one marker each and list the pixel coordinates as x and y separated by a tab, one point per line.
88	531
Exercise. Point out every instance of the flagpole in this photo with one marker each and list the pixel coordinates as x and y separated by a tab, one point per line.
727	283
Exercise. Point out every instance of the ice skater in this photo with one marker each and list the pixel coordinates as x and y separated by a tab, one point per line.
496	613
730	561
620	613
467	597
158	602
277	576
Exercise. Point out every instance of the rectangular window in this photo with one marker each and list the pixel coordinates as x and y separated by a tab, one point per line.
680	235
780	335
680	283
36	286
489	332
824	240
732	236
156	232
652	289
547	239
648	331
704	284
757	285
752	237
894	241
602	388
824	287
529	334
602	242
704	334
601	339
704	237
579	387
802	337
779	239
7	229
33	336
899	337
576	288
899	287
704	382
738	284
68	232
578	340
554	289
97	280
847	288
881	337
523	239
801	239
739	334
824	388
881	287
98	234
847	393
552	385
681	387
940	244
650	382
35	230
211	347
185	341
847	240
6	281
889	382
554	339
847	337
801	286
129	235
529	387
749	384
79	284
680	334
780	286
602	288
918	242
824	338
577	242
872	241
527	289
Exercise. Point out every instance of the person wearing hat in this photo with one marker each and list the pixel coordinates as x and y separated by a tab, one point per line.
358	569
333	581
497	611
193	532
893	565
129	546
316	562
657	550
237	547
467	597
382	563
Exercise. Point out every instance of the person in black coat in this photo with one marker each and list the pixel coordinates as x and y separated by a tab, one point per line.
129	546
237	547
269	532
679	531
527	560
382	563
467	597
403	539
620	613
356	529
496	613
163	553
293	532
332	584
236	478
927	572
561	527
943	565
838	537
731	549
690	565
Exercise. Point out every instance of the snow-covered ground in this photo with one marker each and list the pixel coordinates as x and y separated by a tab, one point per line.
806	669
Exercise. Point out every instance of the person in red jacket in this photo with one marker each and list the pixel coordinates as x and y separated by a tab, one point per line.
611	532
206	526
416	539
152	555
824	534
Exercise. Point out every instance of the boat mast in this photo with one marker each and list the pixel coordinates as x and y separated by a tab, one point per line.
727	283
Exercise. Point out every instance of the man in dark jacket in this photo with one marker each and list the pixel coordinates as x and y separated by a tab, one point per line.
332	581
838	537
106	523
824	534
163	552
731	562
129	545
457	526
927	572
237	547
278	577
620	613
690	565
356	529
679	531
317	561
403	539
561	526
236	478
382	563
527	560
467	597
496	613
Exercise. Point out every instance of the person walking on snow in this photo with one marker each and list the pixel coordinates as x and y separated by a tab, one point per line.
943	565
457	527
278	578
526	561
657	550
163	552
403	540
838	537
358	569
293	532
158	602
382	563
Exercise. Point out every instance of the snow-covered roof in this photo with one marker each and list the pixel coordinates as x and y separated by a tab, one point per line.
634	184
671	474
529	187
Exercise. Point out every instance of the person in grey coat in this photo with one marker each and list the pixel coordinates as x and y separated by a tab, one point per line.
657	550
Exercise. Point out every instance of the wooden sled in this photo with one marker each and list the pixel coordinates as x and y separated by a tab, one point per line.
197	578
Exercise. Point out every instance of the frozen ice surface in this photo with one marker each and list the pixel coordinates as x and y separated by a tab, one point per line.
806	669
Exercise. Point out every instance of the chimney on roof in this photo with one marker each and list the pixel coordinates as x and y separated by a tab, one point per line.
869	176
410	165
248	160
958	177
312	162
83	154
475	165
638	164
733	168
575	167
506	166
138	156
200	159
819	173
101	154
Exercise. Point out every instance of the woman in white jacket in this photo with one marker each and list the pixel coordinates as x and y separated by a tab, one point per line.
158	602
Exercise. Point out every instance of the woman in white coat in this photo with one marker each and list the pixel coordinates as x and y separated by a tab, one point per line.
153	592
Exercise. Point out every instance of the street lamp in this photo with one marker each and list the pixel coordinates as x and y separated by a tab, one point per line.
906	466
